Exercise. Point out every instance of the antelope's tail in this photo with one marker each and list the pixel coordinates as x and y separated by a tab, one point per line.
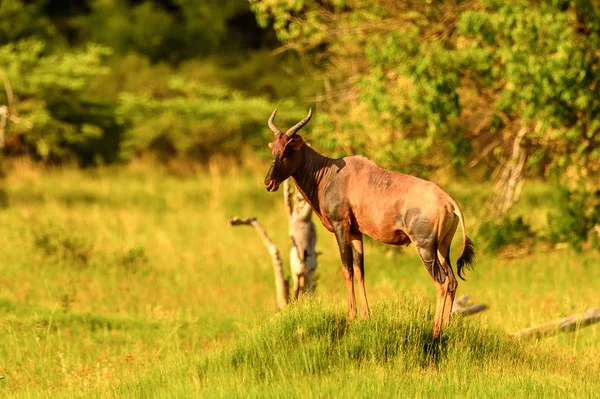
467	258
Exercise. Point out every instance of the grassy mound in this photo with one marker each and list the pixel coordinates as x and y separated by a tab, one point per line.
311	350
314	338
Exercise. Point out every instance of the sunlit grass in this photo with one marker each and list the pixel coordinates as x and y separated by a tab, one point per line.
310	350
120	281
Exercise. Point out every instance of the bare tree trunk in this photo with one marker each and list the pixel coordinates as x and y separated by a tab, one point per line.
303	257
510	182
281	286
8	111
303	237
3	118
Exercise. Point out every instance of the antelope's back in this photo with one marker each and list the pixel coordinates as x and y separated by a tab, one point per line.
383	202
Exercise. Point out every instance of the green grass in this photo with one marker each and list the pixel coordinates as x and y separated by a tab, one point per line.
121	282
310	350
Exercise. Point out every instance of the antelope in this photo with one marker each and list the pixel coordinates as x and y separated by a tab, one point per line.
353	196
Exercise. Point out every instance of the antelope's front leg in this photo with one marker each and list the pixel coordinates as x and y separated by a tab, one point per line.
358	262
347	266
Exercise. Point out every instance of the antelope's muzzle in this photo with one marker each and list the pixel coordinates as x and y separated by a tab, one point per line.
271	184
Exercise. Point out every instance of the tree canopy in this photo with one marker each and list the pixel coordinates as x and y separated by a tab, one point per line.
512	83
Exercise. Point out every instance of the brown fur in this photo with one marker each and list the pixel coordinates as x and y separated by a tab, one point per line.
353	196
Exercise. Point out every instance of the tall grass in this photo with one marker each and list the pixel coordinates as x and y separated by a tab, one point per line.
128	281
311	350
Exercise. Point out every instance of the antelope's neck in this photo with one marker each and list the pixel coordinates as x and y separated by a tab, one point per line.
312	174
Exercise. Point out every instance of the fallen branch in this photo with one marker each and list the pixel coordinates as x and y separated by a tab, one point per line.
566	324
281	288
462	307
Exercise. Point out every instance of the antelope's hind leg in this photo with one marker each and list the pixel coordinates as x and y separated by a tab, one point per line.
435	254
451	283
428	256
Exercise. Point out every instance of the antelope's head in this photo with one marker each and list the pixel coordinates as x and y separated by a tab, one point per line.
285	148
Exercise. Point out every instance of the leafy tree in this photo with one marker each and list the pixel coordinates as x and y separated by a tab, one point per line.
541	75
193	120
44	84
391	75
421	85
19	20
576	213
169	31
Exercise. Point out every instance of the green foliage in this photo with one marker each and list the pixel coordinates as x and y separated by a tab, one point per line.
47	84
545	71
576	213
174	32
49	87
192	121
65	101
508	231
415	85
431	81
19	20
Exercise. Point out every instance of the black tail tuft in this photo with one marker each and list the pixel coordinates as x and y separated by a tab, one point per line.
467	259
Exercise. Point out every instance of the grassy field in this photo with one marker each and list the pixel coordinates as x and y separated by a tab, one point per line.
119	282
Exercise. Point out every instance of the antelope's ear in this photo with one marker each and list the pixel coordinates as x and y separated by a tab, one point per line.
294	143
270	145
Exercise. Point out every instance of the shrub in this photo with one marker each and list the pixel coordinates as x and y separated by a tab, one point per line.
195	120
576	214
60	245
508	231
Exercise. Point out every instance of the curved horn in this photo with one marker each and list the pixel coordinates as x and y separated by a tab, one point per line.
291	131
272	124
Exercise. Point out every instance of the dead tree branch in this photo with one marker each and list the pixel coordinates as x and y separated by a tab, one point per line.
281	288
566	324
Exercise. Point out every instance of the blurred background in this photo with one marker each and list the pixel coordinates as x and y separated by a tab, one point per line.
491	90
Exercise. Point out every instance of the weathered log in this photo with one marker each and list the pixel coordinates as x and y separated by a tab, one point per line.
281	288
461	306
565	324
469	310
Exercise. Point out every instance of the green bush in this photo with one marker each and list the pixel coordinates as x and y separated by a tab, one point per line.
576	213
59	245
193	121
508	231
